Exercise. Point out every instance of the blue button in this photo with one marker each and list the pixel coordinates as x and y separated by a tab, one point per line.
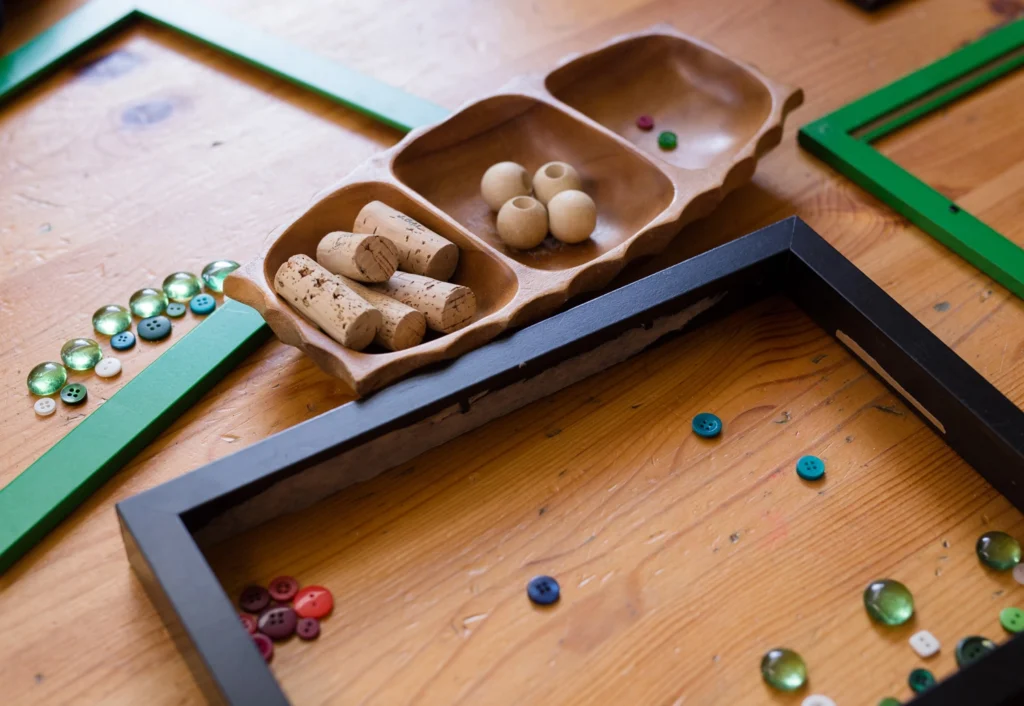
155	328
122	341
543	590
175	310
707	425
810	468
202	304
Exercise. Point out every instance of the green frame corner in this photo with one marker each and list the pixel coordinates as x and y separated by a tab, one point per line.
42	495
844	140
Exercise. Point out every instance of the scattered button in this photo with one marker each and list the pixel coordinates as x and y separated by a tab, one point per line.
278	623
1010	618
264	645
248	622
783	669
889	701
45	406
970	649
122	341
181	286
175	310
313	602
254	599
810	468
924	643
155	328
108	367
707	425
75	393
645	122
888	602
111	319
998	550
148	302
46	378
308	628
817	700
921	680
202	304
543	590
81	353
216	272
667	140
283	588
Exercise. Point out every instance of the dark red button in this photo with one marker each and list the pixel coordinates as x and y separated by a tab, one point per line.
264	645
283	588
645	122
308	628
249	623
313	602
254	599
278	623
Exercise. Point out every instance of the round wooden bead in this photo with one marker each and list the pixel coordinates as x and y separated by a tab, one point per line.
504	181
572	216
555	177
522	223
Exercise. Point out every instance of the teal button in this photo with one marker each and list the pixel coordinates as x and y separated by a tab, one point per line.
970	649
707	425
155	328
202	304
75	393
122	341
921	680
175	310
810	468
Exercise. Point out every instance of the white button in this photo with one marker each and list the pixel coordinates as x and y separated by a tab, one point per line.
1018	573
108	367
818	700
924	643
44	406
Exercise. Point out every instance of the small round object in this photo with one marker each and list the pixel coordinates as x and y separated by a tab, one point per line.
572	216
108	367
543	590
216	272
817	700
75	393
998	550
148	302
111	319
970	649
783	669
554	178
283	588
175	310
308	628
810	468
1010	618
1018	573
264	645
278	623
889	701
313	602
504	181
921	680
155	328
253	599
645	123
248	622
181	286
46	378
522	223
888	602
81	353
667	140
122	341
45	406
202	304
707	425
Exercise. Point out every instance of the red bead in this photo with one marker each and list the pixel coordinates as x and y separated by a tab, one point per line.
283	588
645	122
248	622
313	602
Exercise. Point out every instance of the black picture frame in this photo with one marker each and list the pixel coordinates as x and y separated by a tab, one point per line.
165	528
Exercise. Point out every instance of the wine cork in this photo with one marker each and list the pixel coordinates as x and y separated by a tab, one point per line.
359	256
448	307
403	326
326	301
420	250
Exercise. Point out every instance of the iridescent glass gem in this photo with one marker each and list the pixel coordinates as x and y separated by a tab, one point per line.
81	353
111	319
783	669
888	602
148	302
998	550
181	286
216	272
46	378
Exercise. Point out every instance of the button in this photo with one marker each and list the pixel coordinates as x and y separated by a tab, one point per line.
924	643
543	590
75	393
175	310
707	425
248	622
997	550
264	645
254	599
817	700
45	406
888	602
645	122
783	669
108	367
111	319
181	286
122	341
308	628
667	140
970	649
216	272
313	602
202	304
278	623
1010	618
921	680
889	701
148	302
810	468
155	328
81	353
283	588
46	378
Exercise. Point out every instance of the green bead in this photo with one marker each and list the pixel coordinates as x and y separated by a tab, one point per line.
81	353
921	680
182	286
1012	619
216	272
888	602
970	649
148	302
784	669
667	140
889	701
46	378
112	319
998	550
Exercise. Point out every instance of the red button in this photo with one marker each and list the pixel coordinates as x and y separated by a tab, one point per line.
248	622
283	588
313	602
264	645
308	628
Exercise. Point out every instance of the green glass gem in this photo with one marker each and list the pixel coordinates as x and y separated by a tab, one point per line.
81	353
921	680
216	272
46	378
667	140
783	669
1012	619
182	286
111	319
148	302
889	701
998	550
888	602
970	649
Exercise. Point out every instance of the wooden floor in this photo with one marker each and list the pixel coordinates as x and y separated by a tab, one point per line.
681	561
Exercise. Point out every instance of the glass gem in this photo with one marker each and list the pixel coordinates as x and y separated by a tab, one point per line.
970	649
921	680
667	140
81	353
148	302
46	378
707	425
216	272
888	602
998	550
783	669
181	286
111	319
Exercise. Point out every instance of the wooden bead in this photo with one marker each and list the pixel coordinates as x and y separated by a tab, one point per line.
360	256
504	181
326	301
420	250
572	216
522	223
403	326
448	307
554	177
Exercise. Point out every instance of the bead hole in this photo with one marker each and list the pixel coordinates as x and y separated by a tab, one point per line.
522	202
554	171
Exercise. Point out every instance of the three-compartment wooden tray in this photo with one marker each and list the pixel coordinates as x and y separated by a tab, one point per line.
726	115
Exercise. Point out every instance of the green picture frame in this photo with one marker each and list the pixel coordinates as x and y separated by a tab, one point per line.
844	140
61	479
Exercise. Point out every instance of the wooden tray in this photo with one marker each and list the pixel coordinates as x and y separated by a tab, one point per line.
725	113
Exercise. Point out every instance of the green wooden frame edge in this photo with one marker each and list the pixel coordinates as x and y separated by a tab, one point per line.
843	139
36	501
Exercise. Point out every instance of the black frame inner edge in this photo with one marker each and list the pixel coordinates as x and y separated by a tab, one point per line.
160	526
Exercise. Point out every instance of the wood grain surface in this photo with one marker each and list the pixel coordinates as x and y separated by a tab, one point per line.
681	560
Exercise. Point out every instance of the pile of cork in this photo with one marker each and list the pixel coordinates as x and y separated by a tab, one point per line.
385	282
